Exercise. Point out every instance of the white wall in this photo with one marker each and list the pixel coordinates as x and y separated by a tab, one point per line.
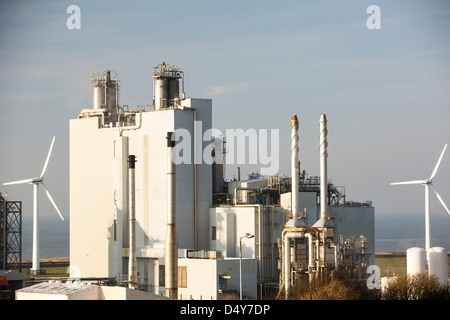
227	241
99	176
203	277
91	196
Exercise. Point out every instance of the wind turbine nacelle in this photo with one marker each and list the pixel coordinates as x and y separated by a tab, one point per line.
35	180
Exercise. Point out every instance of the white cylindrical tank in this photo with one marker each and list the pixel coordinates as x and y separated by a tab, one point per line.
99	97
437	264
415	261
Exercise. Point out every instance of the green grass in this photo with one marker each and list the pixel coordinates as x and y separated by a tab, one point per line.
50	272
393	265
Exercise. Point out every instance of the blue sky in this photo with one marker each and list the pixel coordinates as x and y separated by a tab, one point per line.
385	92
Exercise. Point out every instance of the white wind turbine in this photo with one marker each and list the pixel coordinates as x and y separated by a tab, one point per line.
428	184
36	182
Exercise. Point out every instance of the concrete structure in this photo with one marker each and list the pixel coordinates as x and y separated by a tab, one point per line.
229	223
216	279
99	213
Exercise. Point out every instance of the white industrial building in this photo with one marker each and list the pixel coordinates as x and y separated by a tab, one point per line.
223	237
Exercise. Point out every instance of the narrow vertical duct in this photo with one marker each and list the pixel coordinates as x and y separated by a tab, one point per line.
132	261
171	268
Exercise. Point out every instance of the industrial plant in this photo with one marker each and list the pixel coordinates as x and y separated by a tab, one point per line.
152	212
180	229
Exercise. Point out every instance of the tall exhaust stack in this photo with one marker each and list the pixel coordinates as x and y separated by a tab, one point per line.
323	166
132	261
324	219
171	258
294	167
294	173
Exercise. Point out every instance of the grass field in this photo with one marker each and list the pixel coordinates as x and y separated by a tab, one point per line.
393	265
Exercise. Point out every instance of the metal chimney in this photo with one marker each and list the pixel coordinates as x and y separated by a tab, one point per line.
323	165
324	220
132	261
295	222
171	257
294	167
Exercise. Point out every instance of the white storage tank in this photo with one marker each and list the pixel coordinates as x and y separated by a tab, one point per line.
438	265
415	261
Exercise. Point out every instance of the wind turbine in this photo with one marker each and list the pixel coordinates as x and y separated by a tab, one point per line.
36	182
428	185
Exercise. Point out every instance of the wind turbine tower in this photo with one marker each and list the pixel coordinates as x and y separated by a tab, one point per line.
36	182
428	185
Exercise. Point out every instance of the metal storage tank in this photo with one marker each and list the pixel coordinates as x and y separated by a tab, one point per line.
166	86
437	264
106	93
415	260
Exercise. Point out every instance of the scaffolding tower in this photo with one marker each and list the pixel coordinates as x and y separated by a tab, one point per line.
10	234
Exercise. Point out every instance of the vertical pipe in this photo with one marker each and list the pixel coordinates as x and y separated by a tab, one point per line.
260	209
35	267
287	265
323	166
294	168
427	218
132	260
324	247
171	268
336	266
288	236
195	181
240	268
310	252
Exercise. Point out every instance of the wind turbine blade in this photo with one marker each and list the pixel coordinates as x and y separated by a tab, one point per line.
17	182
408	182
48	158
438	163
440	199
51	200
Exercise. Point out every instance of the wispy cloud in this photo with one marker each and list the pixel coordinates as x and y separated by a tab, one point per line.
218	90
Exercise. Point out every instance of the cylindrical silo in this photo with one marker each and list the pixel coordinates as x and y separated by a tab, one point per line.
415	261
437	264
105	92
166	86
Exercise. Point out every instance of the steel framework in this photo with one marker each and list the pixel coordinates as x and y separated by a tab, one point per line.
10	234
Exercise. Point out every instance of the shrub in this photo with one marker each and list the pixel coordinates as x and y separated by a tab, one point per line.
331	287
416	287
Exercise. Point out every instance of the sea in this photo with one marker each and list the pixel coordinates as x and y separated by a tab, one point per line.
392	234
